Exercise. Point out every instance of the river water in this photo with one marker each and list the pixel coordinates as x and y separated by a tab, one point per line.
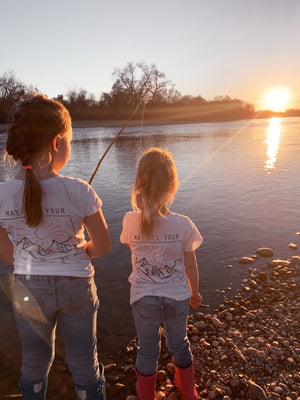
239	183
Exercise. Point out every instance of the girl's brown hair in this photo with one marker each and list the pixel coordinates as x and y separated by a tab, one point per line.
155	186
33	124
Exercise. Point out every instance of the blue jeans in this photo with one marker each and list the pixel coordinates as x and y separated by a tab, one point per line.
149	313
39	303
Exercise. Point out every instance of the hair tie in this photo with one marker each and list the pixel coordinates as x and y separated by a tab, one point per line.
27	167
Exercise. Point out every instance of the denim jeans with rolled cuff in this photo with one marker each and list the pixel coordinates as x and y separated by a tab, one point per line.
149	313
40	302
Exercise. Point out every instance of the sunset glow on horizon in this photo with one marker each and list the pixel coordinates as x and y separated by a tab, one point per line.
277	99
214	48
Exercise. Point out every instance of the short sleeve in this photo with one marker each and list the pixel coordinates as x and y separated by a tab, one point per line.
124	238
192	239
90	200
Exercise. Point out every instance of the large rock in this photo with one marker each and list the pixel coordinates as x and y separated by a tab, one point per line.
264	252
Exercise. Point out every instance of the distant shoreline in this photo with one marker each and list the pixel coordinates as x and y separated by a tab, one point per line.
119	123
83	124
77	124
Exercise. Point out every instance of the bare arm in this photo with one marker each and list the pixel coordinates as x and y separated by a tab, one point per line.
192	272
99	243
6	248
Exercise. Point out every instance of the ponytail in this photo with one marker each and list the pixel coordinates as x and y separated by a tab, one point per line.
147	218
33	124
32	199
155	186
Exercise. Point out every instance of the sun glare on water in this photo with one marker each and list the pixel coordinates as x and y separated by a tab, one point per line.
272	141
277	99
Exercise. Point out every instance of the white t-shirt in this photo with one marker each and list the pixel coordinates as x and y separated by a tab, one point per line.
158	263
56	246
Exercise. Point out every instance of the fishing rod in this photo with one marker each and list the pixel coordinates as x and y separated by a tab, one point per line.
122	129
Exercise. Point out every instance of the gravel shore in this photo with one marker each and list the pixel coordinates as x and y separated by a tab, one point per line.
248	348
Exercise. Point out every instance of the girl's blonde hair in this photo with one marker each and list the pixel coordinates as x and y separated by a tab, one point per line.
155	186
33	124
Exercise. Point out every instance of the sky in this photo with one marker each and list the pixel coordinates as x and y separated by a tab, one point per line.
240	48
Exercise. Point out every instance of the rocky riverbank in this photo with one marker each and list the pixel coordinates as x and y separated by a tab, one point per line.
248	349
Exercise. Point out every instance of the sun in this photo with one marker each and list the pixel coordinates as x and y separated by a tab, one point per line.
277	99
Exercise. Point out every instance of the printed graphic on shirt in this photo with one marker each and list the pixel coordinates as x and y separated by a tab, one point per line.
153	271
157	262
43	254
39	242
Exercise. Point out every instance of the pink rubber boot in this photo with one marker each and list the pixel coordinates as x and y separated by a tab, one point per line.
145	386
184	381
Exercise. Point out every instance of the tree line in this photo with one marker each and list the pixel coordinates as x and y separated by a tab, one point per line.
163	101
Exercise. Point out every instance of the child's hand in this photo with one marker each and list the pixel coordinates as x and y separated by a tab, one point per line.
195	300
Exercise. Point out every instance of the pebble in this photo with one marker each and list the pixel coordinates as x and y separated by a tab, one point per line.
161	374
109	367
160	395
256	391
249	349
216	322
170	366
264	252
293	246
246	260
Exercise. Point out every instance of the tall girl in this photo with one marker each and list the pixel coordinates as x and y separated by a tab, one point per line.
42	219
164	278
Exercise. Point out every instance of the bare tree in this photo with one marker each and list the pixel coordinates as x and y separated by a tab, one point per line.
80	99
11	90
125	87
132	80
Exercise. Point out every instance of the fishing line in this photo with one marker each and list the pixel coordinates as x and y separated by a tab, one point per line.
122	129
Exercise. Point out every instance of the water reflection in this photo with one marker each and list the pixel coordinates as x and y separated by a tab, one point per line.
231	201
273	143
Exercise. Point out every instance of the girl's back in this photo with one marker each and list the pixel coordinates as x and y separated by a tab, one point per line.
42	220
58	242
158	262
164	278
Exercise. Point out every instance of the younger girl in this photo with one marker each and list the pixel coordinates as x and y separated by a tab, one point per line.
164	276
42	219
